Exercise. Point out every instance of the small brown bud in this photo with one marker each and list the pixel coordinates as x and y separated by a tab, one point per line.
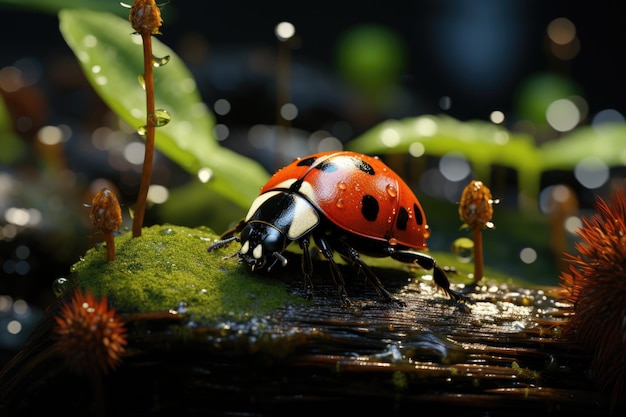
106	213
145	17
476	206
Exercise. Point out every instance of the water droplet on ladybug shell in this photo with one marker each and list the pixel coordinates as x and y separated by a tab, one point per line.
339	203
391	190
342	185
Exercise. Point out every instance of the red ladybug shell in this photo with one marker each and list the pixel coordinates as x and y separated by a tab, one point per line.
358	193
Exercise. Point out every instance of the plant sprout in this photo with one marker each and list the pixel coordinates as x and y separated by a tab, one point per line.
106	215
476	211
145	18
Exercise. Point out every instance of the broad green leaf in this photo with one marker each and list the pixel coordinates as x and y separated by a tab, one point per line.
48	6
607	143
111	57
483	144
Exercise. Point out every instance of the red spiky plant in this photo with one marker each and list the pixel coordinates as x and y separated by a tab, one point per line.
90	334
596	286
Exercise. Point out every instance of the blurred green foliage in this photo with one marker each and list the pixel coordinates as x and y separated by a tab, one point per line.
485	144
12	147
111	57
53	7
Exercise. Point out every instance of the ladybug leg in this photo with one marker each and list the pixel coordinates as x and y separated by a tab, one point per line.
326	250
307	267
427	262
353	256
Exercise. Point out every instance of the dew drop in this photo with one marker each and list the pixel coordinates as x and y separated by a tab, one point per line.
463	248
391	190
142	131
393	241
59	285
162	117
339	203
342	185
159	62
167	231
142	81
182	307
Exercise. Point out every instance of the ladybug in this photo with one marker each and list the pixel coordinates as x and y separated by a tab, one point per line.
341	201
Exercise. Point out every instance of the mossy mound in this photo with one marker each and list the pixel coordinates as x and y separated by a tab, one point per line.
169	268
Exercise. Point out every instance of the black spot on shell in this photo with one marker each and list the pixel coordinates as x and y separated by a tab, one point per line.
418	215
403	219
369	207
306	162
327	166
363	166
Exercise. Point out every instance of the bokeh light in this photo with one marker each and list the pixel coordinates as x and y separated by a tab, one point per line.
496	117
564	43
390	137
158	194
205	174
454	166
563	115
288	111
221	107
607	116
591	172
285	31
528	255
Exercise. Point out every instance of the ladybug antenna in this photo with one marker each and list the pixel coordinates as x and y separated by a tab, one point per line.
224	242
230	256
279	257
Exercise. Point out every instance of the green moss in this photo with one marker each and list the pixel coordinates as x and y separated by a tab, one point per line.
168	267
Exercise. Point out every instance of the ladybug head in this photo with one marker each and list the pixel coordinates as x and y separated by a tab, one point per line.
262	243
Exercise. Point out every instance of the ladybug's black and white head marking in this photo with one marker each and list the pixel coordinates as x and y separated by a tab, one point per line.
275	219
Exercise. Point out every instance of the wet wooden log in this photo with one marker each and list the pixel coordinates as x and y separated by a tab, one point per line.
501	356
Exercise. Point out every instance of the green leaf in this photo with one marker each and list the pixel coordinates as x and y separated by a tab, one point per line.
111	57
484	144
53	7
605	142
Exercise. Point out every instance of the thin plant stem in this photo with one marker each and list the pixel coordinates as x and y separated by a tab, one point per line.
477	237
148	75
109	239
145	18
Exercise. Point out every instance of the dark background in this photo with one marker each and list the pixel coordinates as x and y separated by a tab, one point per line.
476	52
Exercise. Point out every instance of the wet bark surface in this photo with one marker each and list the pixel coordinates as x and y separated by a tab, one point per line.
500	355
